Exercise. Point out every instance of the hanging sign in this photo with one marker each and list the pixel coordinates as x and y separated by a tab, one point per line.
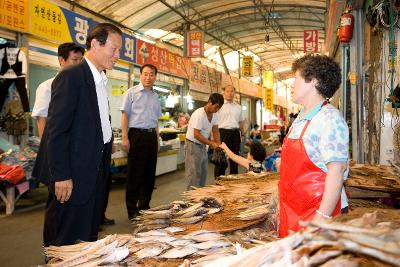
195	43
310	41
62	25
164	60
268	78
247	66
48	21
14	14
269	99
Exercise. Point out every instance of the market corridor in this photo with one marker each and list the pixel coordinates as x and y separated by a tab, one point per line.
21	233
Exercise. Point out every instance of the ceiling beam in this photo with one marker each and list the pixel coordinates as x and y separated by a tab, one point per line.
219	35
270	22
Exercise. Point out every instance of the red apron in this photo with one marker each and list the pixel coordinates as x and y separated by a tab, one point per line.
301	186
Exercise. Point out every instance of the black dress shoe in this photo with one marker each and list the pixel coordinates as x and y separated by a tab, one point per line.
107	221
133	215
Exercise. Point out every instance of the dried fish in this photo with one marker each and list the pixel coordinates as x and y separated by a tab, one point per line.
213	210
206	237
181	242
174	229
212	244
158	214
176	253
190	220
161	207
154	233
190	209
151	251
163	239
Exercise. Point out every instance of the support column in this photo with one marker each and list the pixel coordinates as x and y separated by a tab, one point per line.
357	89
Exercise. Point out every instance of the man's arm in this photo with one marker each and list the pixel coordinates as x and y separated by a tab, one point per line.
124	127
64	98
197	134
241	127
215	132
41	123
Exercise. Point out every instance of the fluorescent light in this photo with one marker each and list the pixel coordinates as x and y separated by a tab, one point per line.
160	89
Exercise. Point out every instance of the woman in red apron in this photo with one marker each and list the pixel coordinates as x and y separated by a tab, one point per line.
306	192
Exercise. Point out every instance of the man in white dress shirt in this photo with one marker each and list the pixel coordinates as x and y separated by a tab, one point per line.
68	54
230	128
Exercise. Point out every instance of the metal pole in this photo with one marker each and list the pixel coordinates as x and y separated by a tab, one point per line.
343	98
186	89
357	97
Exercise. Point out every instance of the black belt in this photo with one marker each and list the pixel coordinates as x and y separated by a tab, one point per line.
232	130
194	142
149	130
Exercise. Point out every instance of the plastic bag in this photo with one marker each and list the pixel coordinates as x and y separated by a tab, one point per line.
218	158
12	174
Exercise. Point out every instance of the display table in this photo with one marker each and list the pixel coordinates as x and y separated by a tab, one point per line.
10	195
167	161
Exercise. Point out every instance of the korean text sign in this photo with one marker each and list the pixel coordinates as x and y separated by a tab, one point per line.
310	41
14	14
195	43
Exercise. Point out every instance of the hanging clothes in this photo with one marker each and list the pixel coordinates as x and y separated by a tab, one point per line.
12	71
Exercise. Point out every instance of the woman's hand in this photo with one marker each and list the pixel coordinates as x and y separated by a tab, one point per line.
223	146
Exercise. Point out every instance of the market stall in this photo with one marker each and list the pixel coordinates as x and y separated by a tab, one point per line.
234	223
16	166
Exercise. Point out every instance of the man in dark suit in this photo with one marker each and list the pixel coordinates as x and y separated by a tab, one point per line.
75	150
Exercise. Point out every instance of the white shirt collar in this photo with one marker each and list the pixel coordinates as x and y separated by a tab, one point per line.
97	76
227	102
140	87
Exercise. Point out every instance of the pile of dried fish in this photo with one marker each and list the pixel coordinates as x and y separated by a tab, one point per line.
178	212
165	244
365	241
374	178
109	250
249	176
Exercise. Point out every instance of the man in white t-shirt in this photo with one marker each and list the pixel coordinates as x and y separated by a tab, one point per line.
202	122
68	54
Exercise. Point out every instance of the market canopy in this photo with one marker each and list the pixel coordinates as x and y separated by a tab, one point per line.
233	25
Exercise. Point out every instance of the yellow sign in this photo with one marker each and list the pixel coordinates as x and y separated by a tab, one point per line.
268	78
48	21
269	99
14	14
247	66
118	89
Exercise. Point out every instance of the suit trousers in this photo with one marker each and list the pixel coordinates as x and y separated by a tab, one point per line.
66	224
21	89
231	137
142	161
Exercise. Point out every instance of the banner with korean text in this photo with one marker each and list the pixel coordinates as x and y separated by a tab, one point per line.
268	78
310	41
247	66
164	60
14	14
269	99
61	25
195	43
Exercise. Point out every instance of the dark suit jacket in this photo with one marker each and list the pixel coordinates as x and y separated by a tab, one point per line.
72	144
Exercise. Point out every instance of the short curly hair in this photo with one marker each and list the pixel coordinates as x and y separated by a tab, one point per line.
324	69
257	151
